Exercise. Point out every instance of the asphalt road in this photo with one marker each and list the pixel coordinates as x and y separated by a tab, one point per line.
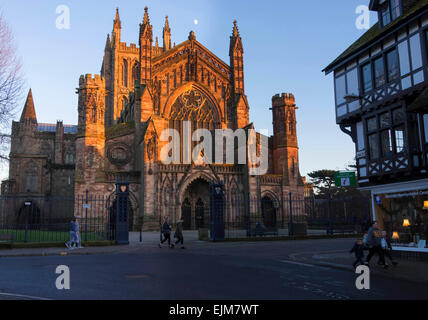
253	271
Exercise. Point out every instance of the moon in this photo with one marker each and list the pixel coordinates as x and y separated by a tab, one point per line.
196	21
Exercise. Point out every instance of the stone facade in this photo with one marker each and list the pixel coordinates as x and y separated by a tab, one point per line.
143	90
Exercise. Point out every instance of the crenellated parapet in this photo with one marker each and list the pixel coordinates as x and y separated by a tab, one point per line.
284	99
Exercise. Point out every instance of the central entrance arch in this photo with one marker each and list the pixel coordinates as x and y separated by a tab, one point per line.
195	208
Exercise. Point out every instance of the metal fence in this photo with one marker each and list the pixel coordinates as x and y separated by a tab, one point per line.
295	216
47	219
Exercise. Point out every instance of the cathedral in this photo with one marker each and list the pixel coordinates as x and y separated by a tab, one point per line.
141	91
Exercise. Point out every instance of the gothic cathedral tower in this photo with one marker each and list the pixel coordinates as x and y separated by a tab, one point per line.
285	147
90	140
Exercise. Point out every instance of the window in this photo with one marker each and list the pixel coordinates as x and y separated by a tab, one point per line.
386	15
399	139
371	124
395	9
415	51
352	82
340	90
386	140
403	52
389	11
392	65
367	77
373	146
385	120
379	71
426	127
398	115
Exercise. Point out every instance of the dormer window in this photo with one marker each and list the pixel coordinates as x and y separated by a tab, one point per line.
389	10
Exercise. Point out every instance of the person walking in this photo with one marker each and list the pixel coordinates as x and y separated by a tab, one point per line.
77	232
374	242
387	247
72	240
179	233
166	232
358	250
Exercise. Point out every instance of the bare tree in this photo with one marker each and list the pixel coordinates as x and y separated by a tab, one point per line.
11	84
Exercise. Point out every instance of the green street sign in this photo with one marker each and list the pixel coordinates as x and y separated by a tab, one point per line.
345	179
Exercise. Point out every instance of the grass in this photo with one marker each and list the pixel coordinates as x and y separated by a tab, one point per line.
39	236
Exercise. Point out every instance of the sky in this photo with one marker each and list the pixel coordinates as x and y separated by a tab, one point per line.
287	44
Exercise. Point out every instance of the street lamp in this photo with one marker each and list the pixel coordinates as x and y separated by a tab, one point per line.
425	205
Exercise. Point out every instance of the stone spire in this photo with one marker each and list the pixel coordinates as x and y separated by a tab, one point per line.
166	36
117	22
117	29
236	53
108	42
235	29
146	41
146	19
29	112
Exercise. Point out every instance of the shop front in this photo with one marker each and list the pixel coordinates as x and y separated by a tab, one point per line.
401	209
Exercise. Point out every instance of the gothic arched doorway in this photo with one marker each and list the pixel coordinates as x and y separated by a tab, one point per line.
186	214
268	212
195	208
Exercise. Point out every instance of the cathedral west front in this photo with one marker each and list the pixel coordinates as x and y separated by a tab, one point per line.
141	91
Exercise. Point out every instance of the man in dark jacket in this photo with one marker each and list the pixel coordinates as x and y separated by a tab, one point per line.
166	231
374	242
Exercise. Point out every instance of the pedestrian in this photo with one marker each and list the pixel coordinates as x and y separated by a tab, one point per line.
358	250
72	240
387	247
77	231
179	233
374	242
365	241
166	232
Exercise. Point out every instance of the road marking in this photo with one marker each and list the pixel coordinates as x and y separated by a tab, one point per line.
304	264
22	296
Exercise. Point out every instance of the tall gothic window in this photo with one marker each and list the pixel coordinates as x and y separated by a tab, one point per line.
125	73
195	107
134	72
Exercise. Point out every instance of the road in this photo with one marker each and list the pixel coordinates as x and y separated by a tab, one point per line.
253	271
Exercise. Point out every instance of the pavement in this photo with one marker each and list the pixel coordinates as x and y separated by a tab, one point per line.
280	270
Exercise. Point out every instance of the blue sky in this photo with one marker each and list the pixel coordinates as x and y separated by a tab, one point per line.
286	45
